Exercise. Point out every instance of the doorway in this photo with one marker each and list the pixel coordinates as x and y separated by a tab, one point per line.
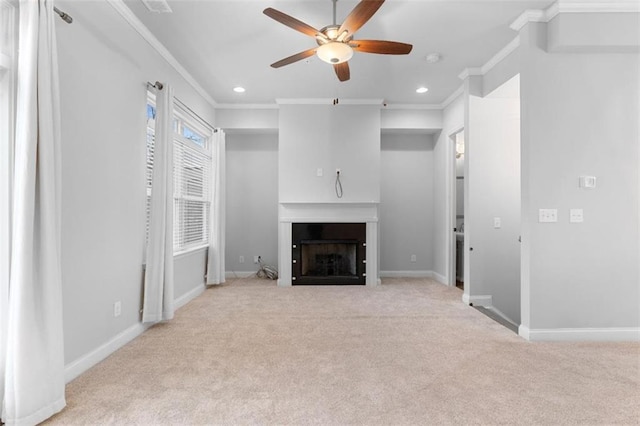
456	268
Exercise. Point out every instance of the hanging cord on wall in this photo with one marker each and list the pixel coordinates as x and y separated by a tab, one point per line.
338	185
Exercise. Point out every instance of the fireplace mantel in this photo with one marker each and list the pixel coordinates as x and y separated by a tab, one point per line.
336	212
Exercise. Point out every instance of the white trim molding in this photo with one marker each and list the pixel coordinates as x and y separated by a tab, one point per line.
406	274
239	274
439	278
452	97
467	72
486	301
188	296
85	362
613	334
412	106
501	55
574	6
132	19
247	106
328	101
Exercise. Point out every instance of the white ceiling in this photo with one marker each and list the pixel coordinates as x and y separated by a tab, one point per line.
225	43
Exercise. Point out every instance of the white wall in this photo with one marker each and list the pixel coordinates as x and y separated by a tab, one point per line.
580	116
252	200
329	137
492	180
452	122
406	204
104	67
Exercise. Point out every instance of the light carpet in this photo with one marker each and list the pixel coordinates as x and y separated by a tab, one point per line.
408	352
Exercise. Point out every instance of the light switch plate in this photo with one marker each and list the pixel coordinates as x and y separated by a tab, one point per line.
497	223
547	215
319	172
588	182
576	216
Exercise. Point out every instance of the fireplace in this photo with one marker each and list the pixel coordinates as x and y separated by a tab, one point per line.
328	253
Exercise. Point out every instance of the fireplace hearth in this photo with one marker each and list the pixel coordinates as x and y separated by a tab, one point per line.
328	253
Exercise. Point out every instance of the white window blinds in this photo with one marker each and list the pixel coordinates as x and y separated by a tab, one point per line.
191	178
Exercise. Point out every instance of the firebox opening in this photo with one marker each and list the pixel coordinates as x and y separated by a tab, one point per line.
326	259
329	253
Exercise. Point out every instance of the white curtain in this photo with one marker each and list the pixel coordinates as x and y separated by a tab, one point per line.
215	262
158	277
34	366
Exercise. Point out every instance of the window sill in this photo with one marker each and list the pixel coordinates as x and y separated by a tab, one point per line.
189	251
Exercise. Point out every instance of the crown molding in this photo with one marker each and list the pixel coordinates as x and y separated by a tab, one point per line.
141	29
452	97
246	106
501	55
412	106
328	101
469	72
529	16
573	6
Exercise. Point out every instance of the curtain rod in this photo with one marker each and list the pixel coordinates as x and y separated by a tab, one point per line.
158	86
65	17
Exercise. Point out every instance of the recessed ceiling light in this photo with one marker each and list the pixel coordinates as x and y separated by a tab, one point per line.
238	89
422	90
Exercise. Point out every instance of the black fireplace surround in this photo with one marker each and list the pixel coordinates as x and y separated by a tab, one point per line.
328	253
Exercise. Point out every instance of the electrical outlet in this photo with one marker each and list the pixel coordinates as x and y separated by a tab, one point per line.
547	215
117	308
413	258
255	259
576	216
241	259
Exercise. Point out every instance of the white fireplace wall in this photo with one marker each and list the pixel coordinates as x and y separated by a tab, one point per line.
328	137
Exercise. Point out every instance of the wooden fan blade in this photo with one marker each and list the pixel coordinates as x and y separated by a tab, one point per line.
294	58
381	46
291	22
342	71
359	16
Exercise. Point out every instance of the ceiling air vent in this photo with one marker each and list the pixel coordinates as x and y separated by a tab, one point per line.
157	6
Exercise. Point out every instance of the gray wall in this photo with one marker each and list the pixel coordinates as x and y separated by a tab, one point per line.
579	117
453	121
406	203
492	137
252	200
104	67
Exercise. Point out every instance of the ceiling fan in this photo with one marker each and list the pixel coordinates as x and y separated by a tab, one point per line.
335	42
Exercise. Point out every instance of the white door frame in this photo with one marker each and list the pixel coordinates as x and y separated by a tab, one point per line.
451	208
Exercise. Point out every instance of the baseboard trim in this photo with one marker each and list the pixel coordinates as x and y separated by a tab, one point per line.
188	296
503	316
406	274
613	334
85	362
239	274
480	300
440	278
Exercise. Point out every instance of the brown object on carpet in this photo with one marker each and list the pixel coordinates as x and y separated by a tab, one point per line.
405	353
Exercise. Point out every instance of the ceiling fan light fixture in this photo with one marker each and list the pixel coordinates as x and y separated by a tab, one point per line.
334	52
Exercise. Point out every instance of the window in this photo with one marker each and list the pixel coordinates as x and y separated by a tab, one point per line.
191	177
